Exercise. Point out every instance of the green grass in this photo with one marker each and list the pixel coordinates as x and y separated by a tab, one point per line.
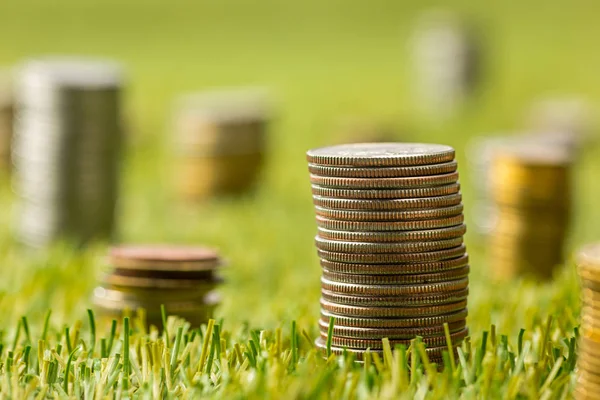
323	62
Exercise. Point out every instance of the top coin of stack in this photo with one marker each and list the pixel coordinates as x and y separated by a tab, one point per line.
531	188
220	140
390	240
181	278
66	149
588	359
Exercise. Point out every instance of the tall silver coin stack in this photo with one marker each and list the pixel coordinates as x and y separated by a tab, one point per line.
390	240
67	141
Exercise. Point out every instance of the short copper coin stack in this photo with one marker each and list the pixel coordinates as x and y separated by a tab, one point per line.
219	142
182	278
390	240
531	189
588	358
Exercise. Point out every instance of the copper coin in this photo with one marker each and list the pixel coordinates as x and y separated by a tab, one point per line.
392	312
402	247
206	275
399	333
386	193
390	258
396	301
397	279
396	269
432	341
144	282
393	290
385	183
418	322
390	204
374	226
381	154
382	172
163	257
395	236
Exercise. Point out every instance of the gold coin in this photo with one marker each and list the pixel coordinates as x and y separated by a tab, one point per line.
382	172
390	333
374	226
396	269
390	204
385	183
392	312
393	216
389	258
381	154
402	247
393	290
444	190
164	257
450	275
396	301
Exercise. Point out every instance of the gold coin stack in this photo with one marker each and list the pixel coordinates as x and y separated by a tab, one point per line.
588	358
220	141
531	189
390	241
182	278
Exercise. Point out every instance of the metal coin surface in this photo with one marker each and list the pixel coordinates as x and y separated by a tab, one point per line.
390	258
395	236
392	312
385	183
396	301
402	247
398	333
450	275
161	257
396	269
415	193
393	290
379	226
382	172
392	204
417	322
381	154
432	341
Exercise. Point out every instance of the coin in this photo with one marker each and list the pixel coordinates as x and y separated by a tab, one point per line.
376	248
385	183
386	193
398	301
393	290
397	279
396	269
394	236
379	226
161	257
398	333
433	353
389	258
392	312
381	154
382	172
432	341
392	204
362	322
145	282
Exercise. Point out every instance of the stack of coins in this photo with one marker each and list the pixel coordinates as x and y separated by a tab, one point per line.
67	141
182	278
6	120
220	142
588	358
531	188
390	241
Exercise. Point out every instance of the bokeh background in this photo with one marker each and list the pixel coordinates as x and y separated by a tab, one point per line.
323	62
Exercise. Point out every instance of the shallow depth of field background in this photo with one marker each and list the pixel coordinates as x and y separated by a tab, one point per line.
323	61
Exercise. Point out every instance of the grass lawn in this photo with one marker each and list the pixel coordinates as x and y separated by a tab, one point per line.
323	62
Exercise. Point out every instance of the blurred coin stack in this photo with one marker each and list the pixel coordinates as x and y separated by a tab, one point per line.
6	119
390	241
588	357
531	188
220	142
184	279
67	141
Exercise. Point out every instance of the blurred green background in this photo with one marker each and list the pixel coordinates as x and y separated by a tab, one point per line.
323	61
